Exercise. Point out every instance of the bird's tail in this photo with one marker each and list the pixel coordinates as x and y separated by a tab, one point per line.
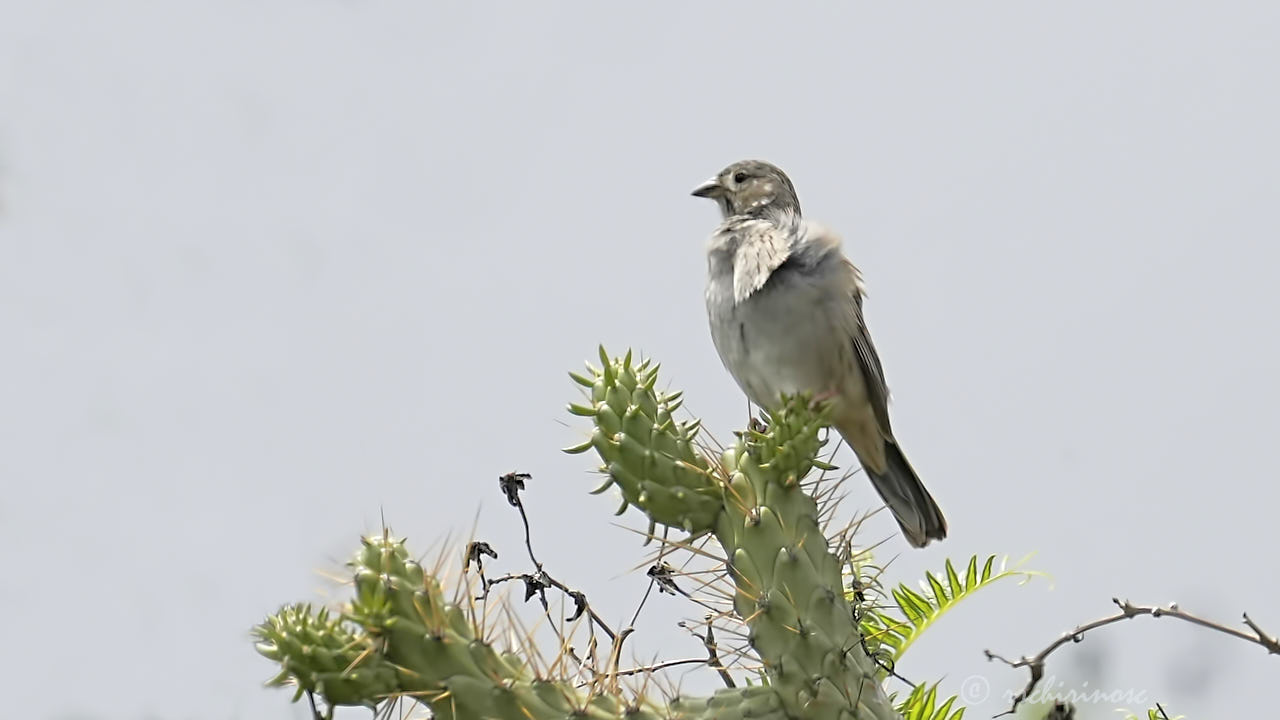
911	504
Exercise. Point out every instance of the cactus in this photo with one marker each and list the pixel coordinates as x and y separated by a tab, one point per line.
401	637
647	454
817	649
787	583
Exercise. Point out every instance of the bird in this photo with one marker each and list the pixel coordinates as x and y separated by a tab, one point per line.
785	309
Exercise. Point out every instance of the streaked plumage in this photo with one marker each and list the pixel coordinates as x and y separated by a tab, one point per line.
785	309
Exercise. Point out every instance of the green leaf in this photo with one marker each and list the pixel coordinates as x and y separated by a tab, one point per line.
1153	714
922	704
913	611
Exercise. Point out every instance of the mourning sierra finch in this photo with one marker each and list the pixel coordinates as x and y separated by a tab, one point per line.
785	308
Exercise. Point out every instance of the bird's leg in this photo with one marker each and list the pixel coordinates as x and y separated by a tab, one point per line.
822	397
753	423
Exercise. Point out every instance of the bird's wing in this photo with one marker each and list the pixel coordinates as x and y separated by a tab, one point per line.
865	351
824	245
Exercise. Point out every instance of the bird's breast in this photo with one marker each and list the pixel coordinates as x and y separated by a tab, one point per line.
780	339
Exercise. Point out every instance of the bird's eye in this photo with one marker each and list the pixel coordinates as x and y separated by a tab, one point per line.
739	177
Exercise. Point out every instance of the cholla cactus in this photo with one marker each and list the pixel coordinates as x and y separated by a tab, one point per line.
822	633
788	587
401	637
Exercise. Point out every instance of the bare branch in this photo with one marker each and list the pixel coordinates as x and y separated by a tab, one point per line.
713	654
536	582
1035	663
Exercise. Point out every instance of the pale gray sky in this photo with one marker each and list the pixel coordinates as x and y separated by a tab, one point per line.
267	268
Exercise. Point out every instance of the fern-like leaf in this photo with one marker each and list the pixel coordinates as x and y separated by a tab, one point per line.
1155	713
922	704
892	629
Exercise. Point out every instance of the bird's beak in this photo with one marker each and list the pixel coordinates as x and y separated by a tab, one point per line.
709	189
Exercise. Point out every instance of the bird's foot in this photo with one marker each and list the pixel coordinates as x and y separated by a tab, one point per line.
822	397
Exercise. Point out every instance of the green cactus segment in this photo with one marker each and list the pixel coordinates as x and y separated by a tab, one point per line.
434	644
399	637
647	454
324	655
758	702
788	583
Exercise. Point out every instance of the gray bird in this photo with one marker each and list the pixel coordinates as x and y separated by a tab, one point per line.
785	307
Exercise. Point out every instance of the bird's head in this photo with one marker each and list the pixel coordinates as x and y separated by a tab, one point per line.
750	187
